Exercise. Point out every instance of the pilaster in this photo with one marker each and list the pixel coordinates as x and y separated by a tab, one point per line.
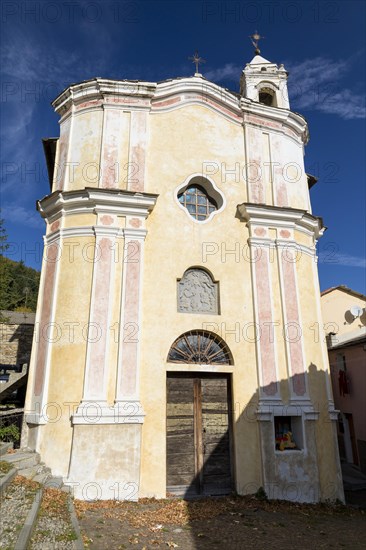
127	402
43	333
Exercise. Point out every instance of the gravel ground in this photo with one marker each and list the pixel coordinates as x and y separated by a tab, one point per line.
53	530
233	523
15	505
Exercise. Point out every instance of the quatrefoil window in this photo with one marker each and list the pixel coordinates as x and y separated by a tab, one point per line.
196	200
200	198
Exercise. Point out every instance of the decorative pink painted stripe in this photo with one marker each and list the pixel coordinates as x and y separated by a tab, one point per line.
131	319
186	98
128	100
51	257
256	184
255	172
279	184
110	150
267	351
86	104
63	144
263	122
292	317
158	104
138	151
99	321
281	194
219	107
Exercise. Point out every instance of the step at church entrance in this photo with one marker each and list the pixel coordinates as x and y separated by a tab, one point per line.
199	434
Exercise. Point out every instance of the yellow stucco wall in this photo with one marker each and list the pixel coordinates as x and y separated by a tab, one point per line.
179	142
67	353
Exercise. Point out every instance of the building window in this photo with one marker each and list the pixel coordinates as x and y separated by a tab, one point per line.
202	347
288	433
197	201
197	292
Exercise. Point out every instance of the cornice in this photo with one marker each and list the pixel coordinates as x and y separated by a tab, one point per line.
278	216
99	93
177	93
102	89
278	116
91	200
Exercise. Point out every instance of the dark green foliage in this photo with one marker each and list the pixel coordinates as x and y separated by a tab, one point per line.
18	283
261	494
9	433
3	236
5	467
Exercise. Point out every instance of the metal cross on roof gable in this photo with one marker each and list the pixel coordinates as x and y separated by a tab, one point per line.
197	60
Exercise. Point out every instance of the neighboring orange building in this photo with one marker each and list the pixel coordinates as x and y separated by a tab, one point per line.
344	316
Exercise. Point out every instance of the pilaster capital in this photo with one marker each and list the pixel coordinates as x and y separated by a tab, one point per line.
132	234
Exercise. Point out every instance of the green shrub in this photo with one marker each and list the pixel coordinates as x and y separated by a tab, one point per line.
9	433
261	494
5	467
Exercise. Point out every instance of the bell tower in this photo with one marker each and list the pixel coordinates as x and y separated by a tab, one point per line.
264	81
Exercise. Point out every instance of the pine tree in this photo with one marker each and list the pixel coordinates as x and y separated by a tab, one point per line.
3	236
5	274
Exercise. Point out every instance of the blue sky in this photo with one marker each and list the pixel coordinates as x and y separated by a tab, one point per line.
46	45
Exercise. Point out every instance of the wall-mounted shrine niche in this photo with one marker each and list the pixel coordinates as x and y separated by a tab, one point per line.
198	292
288	433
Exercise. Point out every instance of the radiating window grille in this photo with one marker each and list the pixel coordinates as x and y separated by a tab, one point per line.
200	347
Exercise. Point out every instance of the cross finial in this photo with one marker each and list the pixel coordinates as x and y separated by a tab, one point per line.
197	60
255	38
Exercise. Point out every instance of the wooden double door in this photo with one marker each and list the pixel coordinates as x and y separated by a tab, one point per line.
199	434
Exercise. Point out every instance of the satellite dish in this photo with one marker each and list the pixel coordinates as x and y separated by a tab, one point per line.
356	311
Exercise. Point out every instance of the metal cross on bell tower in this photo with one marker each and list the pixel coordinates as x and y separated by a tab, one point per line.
197	60
255	38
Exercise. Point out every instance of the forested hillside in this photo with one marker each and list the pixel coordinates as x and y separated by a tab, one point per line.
18	286
18	283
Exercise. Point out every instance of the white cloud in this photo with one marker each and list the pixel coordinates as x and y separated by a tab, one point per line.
342	260
18	214
31	78
314	84
24	60
229	72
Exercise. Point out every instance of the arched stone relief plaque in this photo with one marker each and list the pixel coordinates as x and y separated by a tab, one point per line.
197	292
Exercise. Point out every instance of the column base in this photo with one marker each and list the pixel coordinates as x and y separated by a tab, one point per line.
105	461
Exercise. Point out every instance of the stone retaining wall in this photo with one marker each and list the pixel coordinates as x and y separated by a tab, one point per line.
16	336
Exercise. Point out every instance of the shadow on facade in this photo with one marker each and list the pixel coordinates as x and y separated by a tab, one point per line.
288	450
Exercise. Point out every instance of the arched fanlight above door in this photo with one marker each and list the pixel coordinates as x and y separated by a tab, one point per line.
202	347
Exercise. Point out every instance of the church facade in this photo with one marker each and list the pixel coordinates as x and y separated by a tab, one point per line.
179	346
